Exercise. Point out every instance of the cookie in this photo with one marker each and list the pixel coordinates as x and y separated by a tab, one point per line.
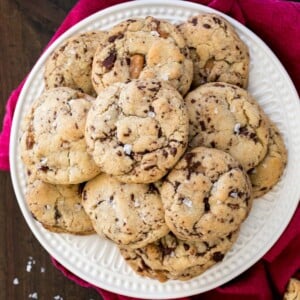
138	130
268	172
145	49
172	258
226	117
206	196
217	51
129	214
53	146
293	290
58	207
70	64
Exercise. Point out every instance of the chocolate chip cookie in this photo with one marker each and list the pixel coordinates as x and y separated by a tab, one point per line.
226	117
70	64
53	146
58	207
137	131
206	196
146	49
268	172
172	258
128	214
217	51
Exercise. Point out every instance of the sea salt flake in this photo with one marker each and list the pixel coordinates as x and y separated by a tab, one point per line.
43	270
127	149
33	295
154	33
236	128
232	109
264	166
172	254
29	267
43	160
151	114
233	194
216	110
219	202
187	202
16	281
136	203
58	297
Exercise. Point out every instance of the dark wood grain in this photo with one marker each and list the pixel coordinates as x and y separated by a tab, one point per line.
25	29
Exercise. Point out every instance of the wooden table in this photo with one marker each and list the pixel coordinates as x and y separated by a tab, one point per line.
25	29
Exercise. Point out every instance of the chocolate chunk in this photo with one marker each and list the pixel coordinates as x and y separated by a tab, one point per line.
206	26
152	189
84	195
217	256
186	246
109	61
57	214
216	20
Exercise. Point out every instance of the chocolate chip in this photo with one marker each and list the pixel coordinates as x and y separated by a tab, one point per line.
206	26
44	168
217	256
186	246
109	61
216	20
165	153
213	144
159	133
233	206
202	125
194	21
173	151
149	167
84	195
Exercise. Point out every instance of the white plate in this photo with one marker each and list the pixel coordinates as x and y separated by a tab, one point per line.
98	261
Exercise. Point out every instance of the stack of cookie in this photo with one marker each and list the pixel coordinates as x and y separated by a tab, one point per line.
166	160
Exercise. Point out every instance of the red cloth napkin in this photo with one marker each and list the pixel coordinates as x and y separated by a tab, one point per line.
277	23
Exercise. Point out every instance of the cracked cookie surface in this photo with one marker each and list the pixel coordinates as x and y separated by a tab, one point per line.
172	258
128	214
206	196
58	207
217	51
226	117
268	172
137	131
53	146
143	49
70	65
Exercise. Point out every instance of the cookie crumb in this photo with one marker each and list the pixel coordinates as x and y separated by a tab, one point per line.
187	202
127	149
58	297
16	281
43	270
